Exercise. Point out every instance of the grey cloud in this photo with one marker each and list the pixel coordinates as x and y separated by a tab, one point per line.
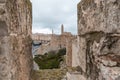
52	13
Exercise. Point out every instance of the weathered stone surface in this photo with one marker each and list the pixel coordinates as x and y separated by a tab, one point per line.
75	55
3	29
98	15
69	39
15	40
75	76
99	38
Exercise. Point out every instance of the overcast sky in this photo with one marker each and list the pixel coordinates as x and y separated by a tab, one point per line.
50	14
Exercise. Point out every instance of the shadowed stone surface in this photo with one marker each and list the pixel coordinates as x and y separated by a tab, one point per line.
3	29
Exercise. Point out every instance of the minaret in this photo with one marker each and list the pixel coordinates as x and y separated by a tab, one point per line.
62	29
52	31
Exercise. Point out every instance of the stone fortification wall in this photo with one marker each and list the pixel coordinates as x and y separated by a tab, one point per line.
39	37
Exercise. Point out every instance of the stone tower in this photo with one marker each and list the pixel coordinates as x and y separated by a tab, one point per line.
15	40
62	29
52	31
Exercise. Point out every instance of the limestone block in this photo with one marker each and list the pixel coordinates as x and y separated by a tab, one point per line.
15	40
75	76
99	38
98	15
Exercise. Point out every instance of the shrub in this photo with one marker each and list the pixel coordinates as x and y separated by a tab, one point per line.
50	60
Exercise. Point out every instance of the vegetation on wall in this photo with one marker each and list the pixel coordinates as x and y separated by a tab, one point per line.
50	60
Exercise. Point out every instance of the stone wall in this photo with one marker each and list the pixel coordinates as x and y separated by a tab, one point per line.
99	38
60	41
53	45
15	40
75	55
69	50
40	36
57	42
44	48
